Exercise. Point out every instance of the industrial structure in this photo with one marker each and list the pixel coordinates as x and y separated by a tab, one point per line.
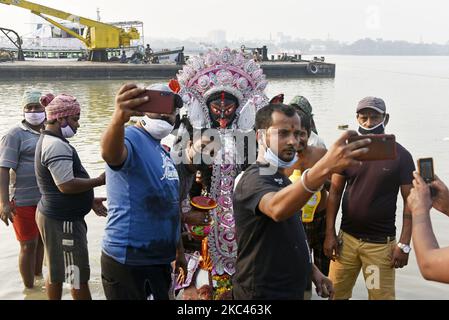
97	36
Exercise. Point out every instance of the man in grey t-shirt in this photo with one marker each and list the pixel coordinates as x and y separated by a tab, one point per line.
18	205
67	196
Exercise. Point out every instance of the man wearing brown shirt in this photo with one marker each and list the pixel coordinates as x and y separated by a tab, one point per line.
367	234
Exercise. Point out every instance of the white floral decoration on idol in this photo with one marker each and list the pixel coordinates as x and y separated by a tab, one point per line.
222	70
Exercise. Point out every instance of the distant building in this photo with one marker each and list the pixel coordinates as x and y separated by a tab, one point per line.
317	48
217	37
281	38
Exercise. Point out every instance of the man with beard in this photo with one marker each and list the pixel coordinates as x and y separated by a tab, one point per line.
273	260
314	212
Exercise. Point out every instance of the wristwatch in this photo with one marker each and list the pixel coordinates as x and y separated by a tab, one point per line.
404	247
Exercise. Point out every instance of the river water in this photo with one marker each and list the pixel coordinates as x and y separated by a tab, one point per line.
415	89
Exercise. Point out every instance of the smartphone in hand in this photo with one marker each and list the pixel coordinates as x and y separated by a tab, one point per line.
425	169
382	147
161	102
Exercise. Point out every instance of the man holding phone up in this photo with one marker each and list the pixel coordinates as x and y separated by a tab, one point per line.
432	260
367	237
143	228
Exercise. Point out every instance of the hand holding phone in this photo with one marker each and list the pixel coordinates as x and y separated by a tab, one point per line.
161	102
425	169
382	147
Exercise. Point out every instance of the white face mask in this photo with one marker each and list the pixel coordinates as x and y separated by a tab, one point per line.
35	118
67	131
158	128
274	160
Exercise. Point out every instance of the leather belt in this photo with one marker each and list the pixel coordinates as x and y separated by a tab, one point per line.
379	240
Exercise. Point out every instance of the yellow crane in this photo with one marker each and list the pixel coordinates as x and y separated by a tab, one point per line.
97	36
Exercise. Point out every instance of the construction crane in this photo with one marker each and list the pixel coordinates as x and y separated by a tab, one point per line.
97	36
17	43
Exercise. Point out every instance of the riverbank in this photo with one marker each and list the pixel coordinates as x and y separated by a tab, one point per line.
74	70
414	89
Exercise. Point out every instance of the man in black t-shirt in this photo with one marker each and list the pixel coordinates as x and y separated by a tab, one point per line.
273	259
367	232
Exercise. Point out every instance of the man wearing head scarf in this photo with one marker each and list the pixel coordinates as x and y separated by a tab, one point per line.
17	149
67	196
301	103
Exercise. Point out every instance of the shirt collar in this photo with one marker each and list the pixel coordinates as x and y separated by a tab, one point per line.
25	127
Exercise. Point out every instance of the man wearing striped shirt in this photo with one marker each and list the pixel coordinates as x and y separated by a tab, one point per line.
67	196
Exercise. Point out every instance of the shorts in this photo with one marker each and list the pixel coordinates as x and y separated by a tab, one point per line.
66	253
24	223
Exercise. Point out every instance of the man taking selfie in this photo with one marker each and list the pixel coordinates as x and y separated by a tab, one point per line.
143	228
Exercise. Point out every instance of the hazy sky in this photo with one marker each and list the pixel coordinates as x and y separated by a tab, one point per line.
346	20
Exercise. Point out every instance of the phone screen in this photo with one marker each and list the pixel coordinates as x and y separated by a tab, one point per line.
426	169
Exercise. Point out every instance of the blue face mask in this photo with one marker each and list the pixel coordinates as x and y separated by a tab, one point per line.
379	129
274	160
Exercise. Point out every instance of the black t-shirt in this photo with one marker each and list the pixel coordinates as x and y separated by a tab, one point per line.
369	201
273	260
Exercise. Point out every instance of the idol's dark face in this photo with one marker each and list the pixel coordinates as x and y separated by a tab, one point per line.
222	110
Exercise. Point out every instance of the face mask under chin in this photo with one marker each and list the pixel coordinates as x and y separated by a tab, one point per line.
67	131
379	129
274	159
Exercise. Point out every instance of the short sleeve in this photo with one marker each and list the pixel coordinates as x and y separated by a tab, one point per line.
406	167
253	187
129	157
57	157
10	151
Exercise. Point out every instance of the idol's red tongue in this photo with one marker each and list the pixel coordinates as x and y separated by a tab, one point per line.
223	123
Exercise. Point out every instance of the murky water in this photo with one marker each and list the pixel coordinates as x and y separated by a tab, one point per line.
416	90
